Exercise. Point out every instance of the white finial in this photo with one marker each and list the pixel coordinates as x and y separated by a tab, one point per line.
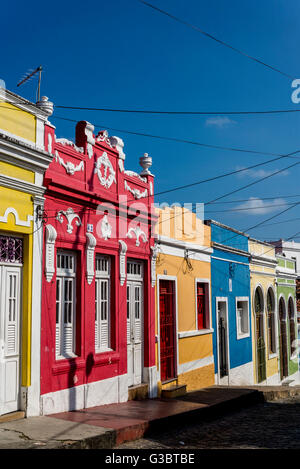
45	105
145	162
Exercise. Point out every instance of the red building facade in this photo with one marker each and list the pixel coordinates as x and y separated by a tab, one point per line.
98	307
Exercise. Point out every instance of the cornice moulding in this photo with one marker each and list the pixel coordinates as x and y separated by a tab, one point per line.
239	252
23	155
22	186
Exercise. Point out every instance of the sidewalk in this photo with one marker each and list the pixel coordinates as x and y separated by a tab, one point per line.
110	425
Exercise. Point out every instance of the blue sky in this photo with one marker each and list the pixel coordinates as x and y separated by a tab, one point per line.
122	54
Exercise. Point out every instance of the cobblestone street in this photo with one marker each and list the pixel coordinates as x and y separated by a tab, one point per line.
269	425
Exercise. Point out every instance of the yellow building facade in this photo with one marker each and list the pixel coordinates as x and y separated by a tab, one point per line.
184	347
264	312
23	161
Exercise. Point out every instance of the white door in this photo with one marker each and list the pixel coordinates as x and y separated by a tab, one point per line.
134	332
223	350
10	313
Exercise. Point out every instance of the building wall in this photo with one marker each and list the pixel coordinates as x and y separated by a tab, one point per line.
195	367
91	377
263	274
230	278
23	163
287	292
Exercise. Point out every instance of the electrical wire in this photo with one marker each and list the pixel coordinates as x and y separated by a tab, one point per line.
219	41
178	140
153	111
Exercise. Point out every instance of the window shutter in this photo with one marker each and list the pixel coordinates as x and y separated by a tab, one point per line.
65	305
137	313
102	300
11	329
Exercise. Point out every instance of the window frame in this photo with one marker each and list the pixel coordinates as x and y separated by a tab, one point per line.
65	275
245	299
208	324
102	276
271	353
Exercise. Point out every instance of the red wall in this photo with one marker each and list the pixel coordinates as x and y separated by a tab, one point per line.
83	192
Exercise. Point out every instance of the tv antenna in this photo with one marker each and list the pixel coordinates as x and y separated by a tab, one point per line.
38	69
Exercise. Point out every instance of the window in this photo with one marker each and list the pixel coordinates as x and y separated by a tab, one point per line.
271	321
202	306
291	312
102	304
242	317
65	304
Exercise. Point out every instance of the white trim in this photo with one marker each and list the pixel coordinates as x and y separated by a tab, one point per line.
33	391
195	364
18	222
107	391
25	155
184	334
22	186
239	335
220	299
229	260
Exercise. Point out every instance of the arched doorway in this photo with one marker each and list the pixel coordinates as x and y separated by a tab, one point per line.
284	372
292	335
259	335
271	321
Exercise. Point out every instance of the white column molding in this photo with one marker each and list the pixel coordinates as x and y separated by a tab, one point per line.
153	264
89	138
51	235
122	250
90	249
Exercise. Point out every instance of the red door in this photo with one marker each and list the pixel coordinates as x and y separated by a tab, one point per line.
167	329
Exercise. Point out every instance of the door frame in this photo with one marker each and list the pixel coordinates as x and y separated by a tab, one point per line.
20	328
264	315
131	280
222	299
281	362
176	360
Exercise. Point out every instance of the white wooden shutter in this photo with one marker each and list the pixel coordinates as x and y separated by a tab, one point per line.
12	313
65	305
102	296
137	313
68	315
128	313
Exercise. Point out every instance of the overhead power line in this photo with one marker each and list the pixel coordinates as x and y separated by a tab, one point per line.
219	41
235	201
163	112
188	113
179	140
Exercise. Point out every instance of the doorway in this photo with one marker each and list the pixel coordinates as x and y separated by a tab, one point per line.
135	322
222	342
167	320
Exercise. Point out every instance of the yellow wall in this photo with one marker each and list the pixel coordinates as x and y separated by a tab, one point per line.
196	347
17	122
10	170
22	203
180	224
265	277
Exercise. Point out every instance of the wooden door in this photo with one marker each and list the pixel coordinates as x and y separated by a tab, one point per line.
10	311
134	332
167	329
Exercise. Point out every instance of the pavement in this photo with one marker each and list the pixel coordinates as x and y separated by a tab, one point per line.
107	426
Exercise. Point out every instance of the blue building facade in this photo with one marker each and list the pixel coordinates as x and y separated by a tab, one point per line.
231	305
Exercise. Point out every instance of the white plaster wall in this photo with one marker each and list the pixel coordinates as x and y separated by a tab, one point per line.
241	375
107	391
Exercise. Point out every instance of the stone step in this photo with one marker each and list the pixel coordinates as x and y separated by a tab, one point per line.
20	414
174	391
139	392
